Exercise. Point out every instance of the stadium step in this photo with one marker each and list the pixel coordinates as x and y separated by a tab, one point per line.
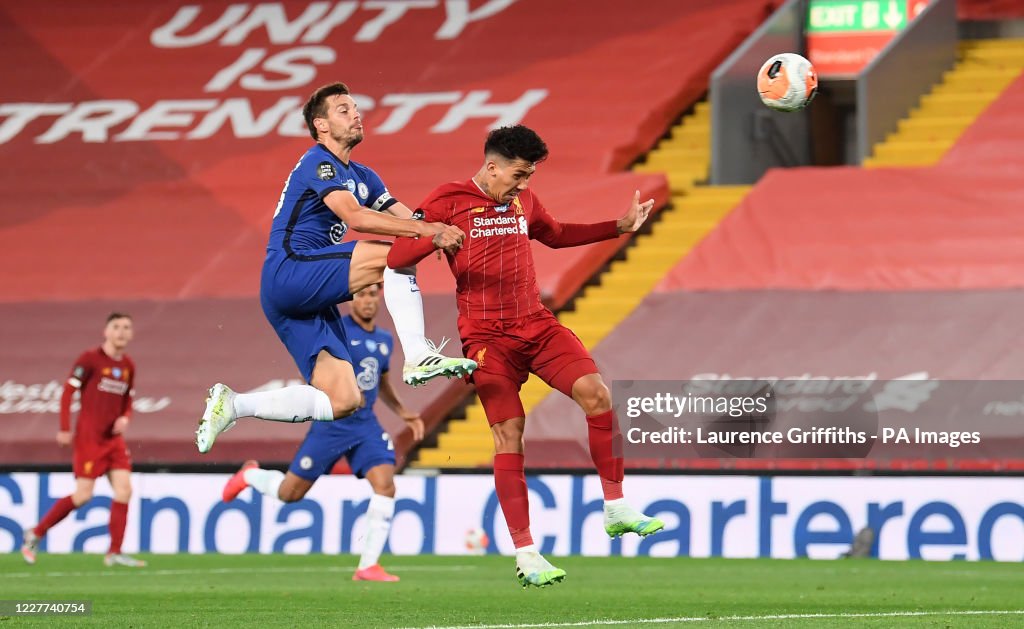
922	133
927	152
683	156
680	154
983	70
968	86
681	180
945	124
966	45
988	53
468	441
437	458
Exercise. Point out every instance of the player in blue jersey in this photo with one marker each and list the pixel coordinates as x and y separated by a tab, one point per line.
358	438
309	269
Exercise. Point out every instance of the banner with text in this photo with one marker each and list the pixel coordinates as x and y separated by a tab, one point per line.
735	516
152	124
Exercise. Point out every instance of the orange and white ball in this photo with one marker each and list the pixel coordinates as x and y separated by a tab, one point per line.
477	542
787	82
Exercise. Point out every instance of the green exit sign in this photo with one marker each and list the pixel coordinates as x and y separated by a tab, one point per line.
836	16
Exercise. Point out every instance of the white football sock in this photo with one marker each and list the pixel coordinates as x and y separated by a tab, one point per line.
529	548
378	526
299	403
267	482
405	303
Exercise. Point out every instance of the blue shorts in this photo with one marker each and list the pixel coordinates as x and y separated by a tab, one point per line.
299	294
361	440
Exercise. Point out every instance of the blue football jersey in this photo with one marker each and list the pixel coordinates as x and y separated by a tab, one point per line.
371	356
302	221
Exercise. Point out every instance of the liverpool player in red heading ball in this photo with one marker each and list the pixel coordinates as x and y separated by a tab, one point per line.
510	333
105	377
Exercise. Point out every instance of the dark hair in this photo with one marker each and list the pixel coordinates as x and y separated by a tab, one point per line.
118	315
316	106
516	142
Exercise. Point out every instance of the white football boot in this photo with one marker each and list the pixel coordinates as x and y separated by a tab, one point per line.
218	417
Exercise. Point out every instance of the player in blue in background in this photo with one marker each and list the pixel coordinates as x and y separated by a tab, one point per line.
309	270
360	438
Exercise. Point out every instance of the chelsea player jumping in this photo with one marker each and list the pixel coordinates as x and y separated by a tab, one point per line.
309	269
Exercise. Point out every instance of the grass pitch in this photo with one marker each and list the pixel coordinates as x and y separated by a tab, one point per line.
317	591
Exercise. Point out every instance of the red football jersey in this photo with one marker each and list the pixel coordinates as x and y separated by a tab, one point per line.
494	270
106	388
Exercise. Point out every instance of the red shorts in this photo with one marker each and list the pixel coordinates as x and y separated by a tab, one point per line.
93	459
508	350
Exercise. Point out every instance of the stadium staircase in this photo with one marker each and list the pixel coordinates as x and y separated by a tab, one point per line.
984	69
684	156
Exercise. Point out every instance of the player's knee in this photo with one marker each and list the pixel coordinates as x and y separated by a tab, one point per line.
347	403
595	398
81	496
508	436
123	494
343	410
290	494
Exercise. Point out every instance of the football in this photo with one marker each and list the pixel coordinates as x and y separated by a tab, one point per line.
477	541
787	82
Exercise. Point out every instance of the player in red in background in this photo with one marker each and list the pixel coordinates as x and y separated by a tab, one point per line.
105	377
510	333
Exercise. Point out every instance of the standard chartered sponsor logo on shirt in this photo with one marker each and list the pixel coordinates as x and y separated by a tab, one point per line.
494	226
109	385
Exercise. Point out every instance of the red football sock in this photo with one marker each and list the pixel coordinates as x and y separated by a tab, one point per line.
510	485
612	489
118	520
57	512
606	451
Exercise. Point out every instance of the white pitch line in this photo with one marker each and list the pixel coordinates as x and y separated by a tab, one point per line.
160	573
683	619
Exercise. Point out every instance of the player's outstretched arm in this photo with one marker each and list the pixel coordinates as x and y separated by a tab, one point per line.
390	398
343	203
556	235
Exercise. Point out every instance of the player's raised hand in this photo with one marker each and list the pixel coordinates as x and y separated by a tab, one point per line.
449	240
415	423
64	438
637	214
119	425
